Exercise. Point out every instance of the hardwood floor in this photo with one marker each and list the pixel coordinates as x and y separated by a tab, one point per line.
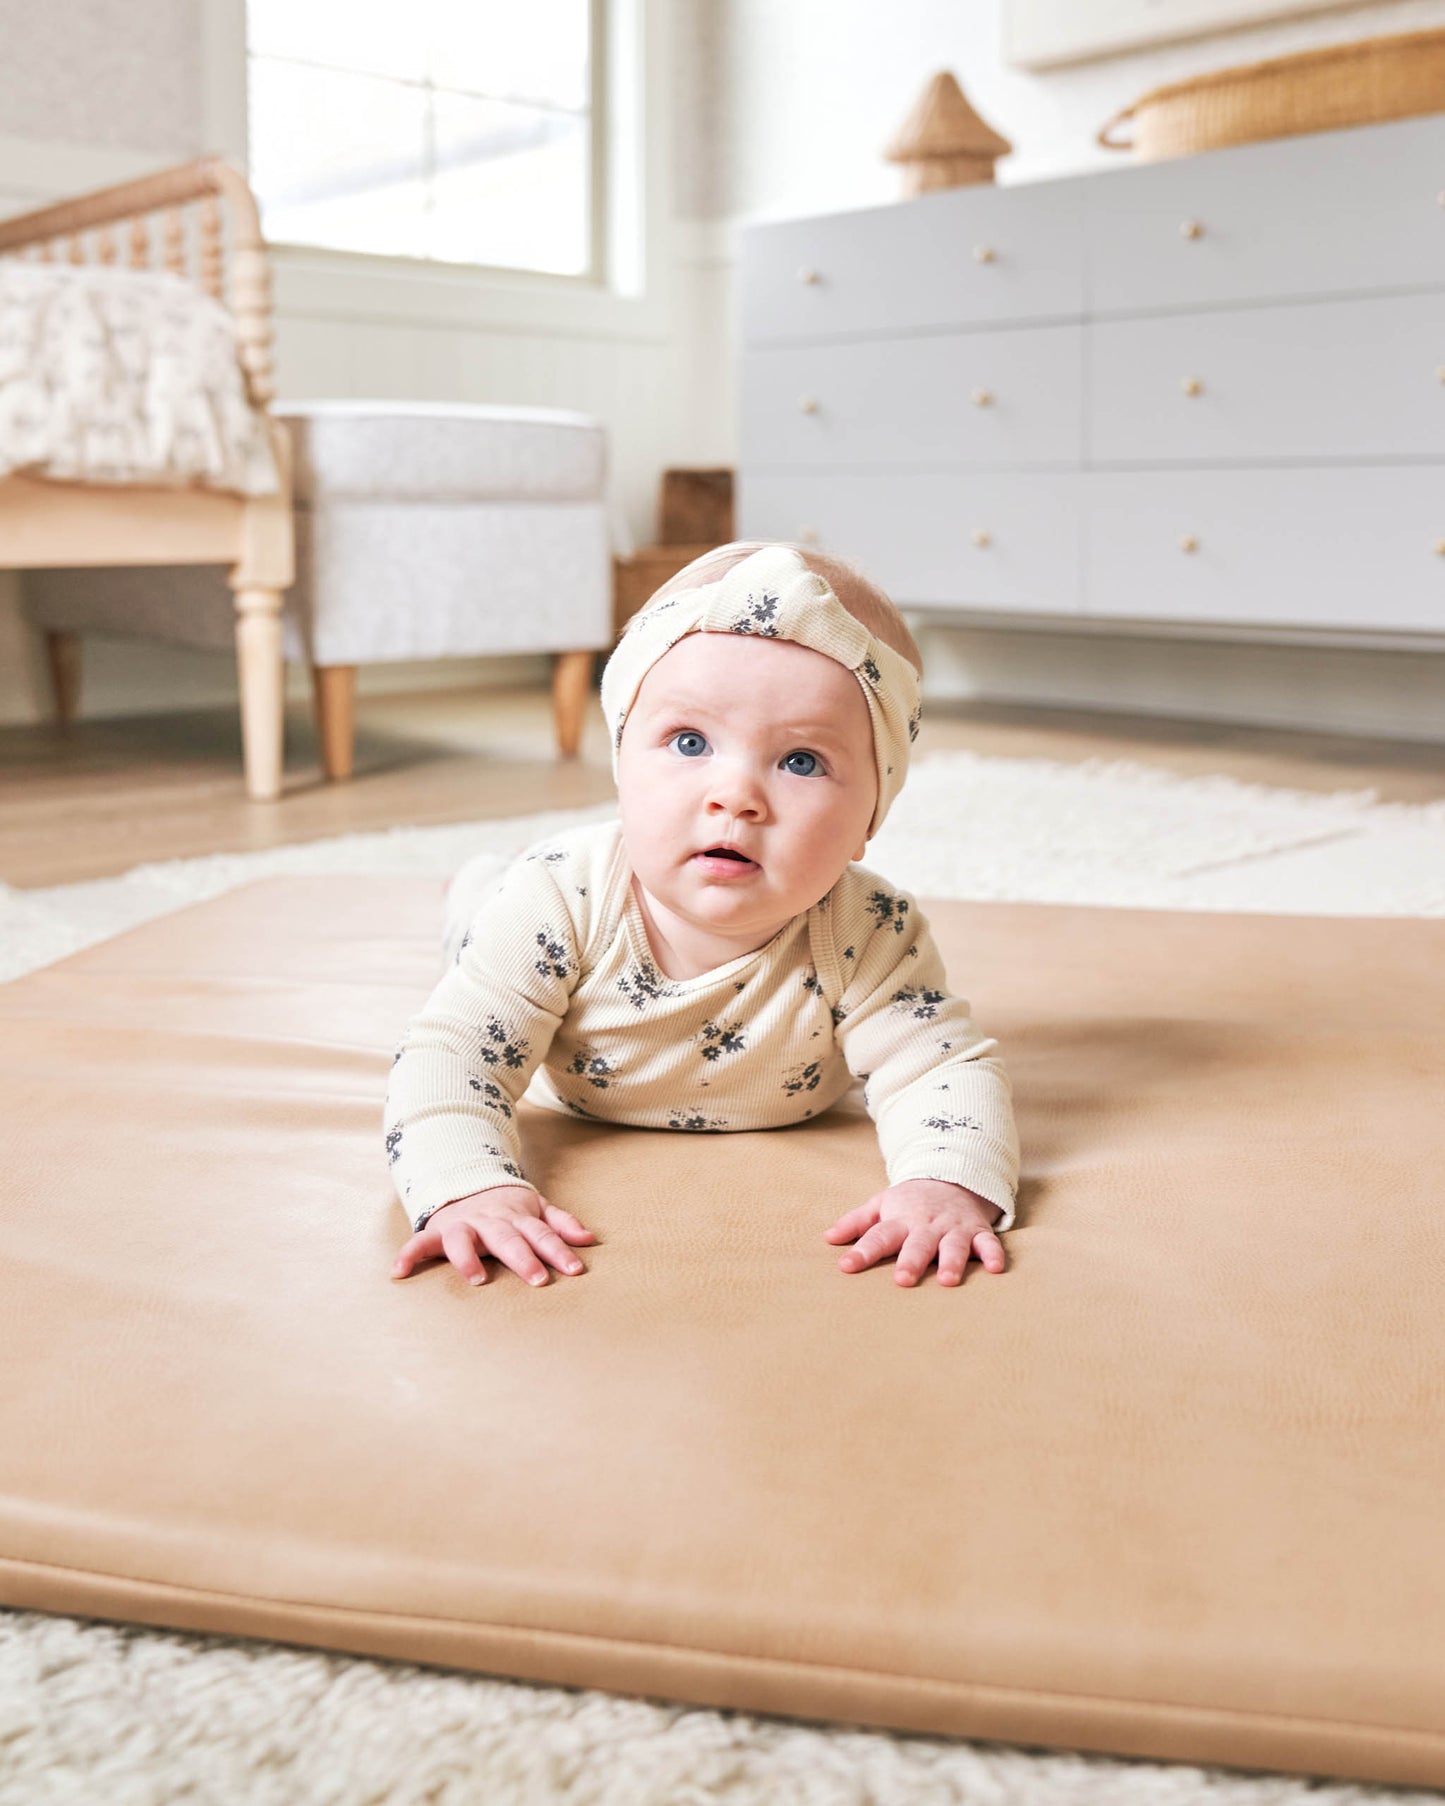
103	796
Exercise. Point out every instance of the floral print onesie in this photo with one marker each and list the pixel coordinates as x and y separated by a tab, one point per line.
553	993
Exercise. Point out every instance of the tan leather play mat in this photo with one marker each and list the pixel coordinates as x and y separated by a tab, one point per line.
1173	1485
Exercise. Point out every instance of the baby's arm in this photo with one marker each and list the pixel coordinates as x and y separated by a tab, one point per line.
942	1105
461	1068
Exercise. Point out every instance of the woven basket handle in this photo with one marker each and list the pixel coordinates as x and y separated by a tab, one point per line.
1113	120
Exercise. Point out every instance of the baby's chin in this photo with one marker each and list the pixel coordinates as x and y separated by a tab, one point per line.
760	895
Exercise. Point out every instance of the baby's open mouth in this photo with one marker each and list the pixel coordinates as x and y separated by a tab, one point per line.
727	856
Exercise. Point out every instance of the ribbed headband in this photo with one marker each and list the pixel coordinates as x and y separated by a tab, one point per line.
774	594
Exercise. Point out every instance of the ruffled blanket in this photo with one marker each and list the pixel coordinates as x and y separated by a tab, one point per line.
124	376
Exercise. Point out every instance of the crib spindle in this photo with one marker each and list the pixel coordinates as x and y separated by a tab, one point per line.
212	255
251	309
105	245
140	244
175	242
77	248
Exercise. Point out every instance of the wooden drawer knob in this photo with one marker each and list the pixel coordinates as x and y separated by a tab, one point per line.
1193	386
982	537
1189	543
1191	228
808	536
1440	372
807	404
809	275
1440	547
983	254
983	398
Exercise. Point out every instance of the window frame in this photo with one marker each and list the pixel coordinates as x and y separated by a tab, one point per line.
627	295
595	272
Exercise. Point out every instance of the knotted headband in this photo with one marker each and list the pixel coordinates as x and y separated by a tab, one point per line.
773	593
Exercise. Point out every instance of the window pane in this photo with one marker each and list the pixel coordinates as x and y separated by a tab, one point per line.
510	187
338	159
378	37
454	129
532	50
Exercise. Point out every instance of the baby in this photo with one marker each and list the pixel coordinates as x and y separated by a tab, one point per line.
712	960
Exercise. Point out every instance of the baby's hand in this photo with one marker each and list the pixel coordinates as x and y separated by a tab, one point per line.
514	1222
921	1217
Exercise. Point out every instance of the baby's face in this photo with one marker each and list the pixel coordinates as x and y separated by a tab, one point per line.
764	743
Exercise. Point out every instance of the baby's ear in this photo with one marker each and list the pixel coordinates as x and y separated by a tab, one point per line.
862	848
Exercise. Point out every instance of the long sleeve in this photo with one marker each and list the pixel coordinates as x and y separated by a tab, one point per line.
468	1055
943	1107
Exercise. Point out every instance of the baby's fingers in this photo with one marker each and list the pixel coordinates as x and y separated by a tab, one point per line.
881	1239
549	1245
565	1223
460	1247
426	1244
989	1250
959	1245
504	1238
917	1254
854	1222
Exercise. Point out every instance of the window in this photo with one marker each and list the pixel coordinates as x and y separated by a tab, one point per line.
463	131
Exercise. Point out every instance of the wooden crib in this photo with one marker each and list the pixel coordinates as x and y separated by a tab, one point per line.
199	220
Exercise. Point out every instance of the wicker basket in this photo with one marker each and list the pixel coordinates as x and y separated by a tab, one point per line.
1313	91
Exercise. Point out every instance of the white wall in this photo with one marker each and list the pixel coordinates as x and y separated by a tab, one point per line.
798	103
776	107
119	73
802	97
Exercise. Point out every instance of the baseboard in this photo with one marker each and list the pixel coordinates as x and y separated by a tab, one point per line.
139	677
1392	695
1367	692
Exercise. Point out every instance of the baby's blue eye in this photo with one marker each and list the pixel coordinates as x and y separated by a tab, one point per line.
690	744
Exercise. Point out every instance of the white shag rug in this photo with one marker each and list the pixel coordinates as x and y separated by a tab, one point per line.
1023	830
119	1713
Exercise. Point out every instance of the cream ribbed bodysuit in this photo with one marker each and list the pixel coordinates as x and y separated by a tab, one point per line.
554	994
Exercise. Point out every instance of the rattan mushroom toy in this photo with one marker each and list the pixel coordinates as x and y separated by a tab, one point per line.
943	143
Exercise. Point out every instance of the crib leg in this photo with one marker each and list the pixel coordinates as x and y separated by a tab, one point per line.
267	567
258	658
334	687
571	688
62	653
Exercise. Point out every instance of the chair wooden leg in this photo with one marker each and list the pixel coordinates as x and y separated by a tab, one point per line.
265	569
258	658
334	687
571	689
62	652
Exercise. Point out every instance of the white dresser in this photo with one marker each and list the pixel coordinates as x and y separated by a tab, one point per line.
1207	394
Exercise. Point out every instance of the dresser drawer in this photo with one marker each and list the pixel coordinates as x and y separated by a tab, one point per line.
961	256
1335	379
1009	397
1327	547
944	538
1326	213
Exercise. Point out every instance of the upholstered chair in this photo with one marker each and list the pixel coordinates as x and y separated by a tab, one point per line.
423	531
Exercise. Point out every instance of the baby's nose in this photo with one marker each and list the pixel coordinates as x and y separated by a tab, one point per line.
737	799
737	787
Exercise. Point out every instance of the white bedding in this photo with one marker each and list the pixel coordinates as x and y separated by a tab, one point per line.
124	376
